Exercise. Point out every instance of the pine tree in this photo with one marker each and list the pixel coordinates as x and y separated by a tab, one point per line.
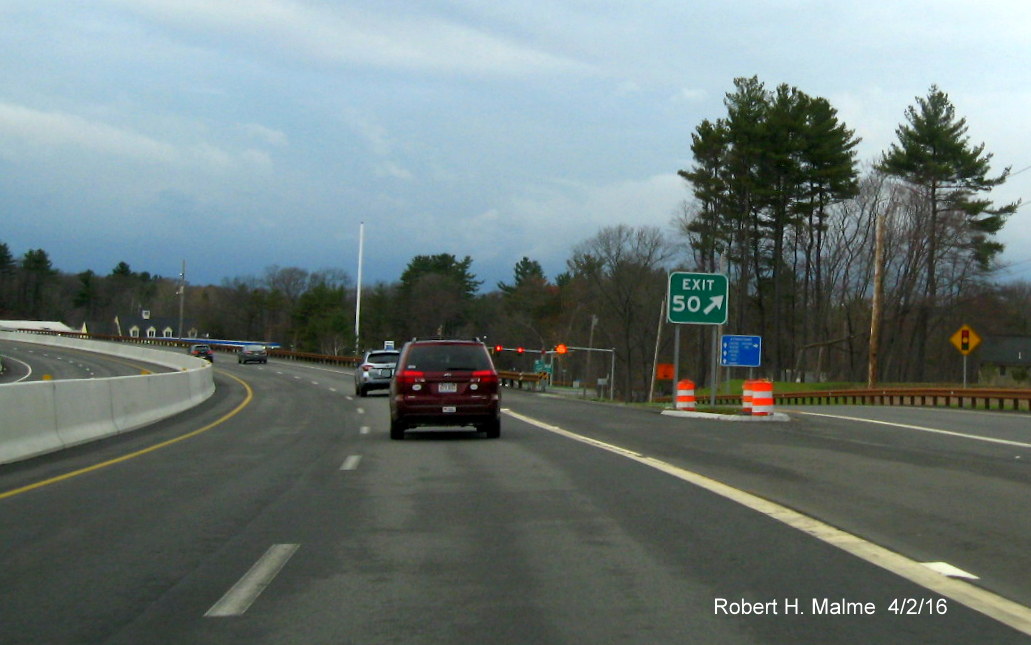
934	156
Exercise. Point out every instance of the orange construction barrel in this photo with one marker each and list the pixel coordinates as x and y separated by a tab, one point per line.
746	396
762	398
685	395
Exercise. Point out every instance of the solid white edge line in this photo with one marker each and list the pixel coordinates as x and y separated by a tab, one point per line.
951	433
985	602
29	367
240	597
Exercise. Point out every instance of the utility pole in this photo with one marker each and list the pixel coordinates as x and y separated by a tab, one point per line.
590	345
878	300
655	356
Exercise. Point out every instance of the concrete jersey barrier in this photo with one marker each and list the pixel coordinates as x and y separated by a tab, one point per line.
44	416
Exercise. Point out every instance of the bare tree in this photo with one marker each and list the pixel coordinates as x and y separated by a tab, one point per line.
625	270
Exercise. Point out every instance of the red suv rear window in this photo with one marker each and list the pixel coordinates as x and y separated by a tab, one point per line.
447	358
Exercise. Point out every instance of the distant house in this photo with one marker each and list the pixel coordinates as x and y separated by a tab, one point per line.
1005	361
143	326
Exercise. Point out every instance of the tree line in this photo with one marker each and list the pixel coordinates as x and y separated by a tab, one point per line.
778	202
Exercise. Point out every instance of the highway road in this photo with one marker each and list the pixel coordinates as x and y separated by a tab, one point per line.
279	511
25	362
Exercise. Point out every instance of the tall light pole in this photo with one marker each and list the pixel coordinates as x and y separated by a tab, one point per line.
358	295
182	298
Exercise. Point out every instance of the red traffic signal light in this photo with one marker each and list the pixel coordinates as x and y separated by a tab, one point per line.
520	350
498	349
561	349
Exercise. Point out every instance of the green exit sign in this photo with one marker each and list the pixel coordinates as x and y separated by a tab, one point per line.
697	298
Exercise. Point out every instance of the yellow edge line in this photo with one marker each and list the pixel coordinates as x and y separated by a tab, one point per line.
132	455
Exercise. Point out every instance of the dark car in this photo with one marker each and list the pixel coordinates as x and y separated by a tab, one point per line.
202	351
375	371
445	383
252	354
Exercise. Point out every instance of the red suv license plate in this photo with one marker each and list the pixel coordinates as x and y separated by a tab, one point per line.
447	387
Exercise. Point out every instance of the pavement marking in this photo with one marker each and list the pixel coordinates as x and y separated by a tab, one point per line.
947	569
361	410
985	602
240	597
132	455
351	463
364	430
951	433
324	369
27	366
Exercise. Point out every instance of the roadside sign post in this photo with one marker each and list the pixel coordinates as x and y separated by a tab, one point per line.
965	340
699	299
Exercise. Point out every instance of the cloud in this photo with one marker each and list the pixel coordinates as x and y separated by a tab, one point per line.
265	135
50	129
391	169
338	35
628	87
546	226
692	95
44	130
375	135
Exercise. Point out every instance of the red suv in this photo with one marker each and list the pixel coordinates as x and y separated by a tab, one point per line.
445	383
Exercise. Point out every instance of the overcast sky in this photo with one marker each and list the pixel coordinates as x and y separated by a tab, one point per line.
241	134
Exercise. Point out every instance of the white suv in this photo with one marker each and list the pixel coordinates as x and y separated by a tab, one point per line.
375	371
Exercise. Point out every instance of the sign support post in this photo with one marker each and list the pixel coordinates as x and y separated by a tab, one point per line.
714	382
965	340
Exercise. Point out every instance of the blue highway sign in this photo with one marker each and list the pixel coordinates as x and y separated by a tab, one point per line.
741	351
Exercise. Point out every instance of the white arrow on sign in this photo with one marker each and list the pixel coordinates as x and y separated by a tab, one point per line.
715	302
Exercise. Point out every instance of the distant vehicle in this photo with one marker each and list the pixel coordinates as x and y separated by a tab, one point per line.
375	371
252	354
445	383
202	351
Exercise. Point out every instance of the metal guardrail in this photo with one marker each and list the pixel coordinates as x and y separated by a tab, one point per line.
517	379
973	398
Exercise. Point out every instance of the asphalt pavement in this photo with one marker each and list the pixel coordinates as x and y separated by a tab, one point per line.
280	511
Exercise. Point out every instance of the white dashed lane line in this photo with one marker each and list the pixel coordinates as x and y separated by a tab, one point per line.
351	463
238	599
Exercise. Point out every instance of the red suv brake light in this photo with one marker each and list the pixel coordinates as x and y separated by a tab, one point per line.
408	377
485	376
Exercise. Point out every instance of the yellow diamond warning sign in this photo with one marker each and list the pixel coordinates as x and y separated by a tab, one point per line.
965	339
